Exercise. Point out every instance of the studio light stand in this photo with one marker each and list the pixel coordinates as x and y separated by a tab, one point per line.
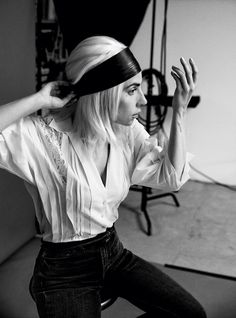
159	103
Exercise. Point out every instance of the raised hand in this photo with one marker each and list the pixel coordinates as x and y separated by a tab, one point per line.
186	80
55	95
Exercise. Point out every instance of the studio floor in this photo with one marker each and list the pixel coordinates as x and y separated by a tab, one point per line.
194	243
199	234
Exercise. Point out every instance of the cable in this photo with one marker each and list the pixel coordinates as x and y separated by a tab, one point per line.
163	53
153	32
232	188
163	42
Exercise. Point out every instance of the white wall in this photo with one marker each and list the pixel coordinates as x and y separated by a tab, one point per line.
206	31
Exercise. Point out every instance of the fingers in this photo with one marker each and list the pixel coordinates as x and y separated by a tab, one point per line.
60	89
194	70
57	94
187	76
66	93
187	70
177	79
69	100
190	72
180	78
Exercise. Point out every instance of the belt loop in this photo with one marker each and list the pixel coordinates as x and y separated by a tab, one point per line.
109	233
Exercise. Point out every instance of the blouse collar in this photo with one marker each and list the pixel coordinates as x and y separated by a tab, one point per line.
61	125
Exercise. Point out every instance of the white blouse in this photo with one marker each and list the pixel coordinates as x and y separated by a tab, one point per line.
71	201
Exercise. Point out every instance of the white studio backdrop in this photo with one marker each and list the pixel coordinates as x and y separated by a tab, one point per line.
204	30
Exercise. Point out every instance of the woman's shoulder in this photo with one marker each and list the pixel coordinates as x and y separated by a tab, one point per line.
19	126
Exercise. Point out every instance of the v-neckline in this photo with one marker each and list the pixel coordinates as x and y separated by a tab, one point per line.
103	176
90	168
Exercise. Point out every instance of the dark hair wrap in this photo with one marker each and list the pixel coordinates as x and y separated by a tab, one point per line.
115	70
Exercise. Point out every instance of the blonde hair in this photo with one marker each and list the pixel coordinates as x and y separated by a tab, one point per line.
95	114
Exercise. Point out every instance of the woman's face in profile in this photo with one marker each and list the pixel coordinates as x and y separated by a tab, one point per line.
132	98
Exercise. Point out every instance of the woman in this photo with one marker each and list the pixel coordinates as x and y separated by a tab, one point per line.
78	163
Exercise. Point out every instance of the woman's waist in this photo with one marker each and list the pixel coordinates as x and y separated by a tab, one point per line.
89	240
60	228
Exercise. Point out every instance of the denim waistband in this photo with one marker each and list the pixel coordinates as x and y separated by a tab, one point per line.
102	237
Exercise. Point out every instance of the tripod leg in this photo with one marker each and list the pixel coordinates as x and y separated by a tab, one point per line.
175	199
149	224
144	210
166	194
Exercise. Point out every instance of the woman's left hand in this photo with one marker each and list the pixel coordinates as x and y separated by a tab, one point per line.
186	80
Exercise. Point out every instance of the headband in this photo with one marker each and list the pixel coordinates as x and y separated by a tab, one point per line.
115	70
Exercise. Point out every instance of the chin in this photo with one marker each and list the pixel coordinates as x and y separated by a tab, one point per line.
126	123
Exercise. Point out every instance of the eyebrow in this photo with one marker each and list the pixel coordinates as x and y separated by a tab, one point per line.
133	84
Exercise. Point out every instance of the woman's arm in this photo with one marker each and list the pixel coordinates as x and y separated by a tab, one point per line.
185	84
45	98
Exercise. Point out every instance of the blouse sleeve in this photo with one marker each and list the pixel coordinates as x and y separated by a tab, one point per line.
16	147
152	167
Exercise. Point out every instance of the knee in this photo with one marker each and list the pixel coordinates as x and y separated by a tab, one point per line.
202	313
196	311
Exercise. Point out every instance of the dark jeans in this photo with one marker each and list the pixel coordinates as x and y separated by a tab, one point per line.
70	279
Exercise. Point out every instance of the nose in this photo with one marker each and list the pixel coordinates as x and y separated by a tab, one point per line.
142	99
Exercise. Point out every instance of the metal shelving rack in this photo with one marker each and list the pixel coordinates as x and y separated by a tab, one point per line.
51	53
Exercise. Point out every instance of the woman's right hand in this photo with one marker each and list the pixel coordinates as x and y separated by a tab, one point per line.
50	96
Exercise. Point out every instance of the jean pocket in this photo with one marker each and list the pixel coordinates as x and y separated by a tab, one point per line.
77	269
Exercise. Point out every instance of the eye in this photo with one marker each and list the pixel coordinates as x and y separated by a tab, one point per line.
132	90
